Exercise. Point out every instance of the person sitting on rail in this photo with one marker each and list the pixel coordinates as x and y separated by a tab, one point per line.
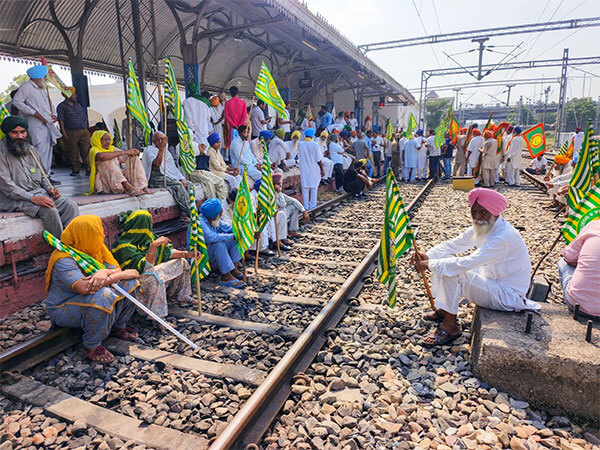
558	187
88	302
327	163
217	164
22	186
561	165
311	169
537	165
241	154
292	208
223	253
496	275
356	178
164	271
578	271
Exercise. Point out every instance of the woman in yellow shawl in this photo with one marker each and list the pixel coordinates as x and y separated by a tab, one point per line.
106	174
88	302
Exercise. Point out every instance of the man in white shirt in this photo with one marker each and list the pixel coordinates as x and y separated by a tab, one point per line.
327	163
473	151
33	103
434	155
353	122
257	119
197	114
577	140
336	154
278	151
378	147
538	165
292	150
285	124
514	153
495	276
311	169
421	155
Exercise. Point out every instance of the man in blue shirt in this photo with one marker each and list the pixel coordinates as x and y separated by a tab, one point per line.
325	118
220	242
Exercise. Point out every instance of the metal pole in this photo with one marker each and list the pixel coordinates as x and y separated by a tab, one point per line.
421	94
481	49
509	86
562	97
424	106
139	53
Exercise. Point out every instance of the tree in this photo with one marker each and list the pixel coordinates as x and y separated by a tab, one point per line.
579	112
14	84
527	116
436	111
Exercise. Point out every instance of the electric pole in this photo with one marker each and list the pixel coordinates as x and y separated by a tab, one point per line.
480	41
509	86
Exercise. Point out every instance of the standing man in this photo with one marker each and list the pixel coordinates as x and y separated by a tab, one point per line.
325	118
197	113
360	148
311	169
257	119
447	149
473	151
460	160
336	154
33	102
378	146
74	127
421	155
235	114
434	155
577	140
514	154
410	158
488	159
285	125
353	122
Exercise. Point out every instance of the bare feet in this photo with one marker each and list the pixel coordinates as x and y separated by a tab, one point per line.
127	333
146	191
100	355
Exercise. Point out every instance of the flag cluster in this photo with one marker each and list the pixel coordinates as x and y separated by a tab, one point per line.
266	90
567	148
244	222
196	241
186	152
135	104
411	127
266	191
581	180
3	115
396	236
586	211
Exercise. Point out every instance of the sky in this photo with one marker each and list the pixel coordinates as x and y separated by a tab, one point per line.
369	21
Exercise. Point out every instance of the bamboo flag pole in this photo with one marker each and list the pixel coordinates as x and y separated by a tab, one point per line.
130	142
198	291
424	275
277	235
257	245
545	256
244	267
41	169
163	109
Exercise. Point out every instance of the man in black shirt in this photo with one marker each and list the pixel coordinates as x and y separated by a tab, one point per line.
447	150
356	178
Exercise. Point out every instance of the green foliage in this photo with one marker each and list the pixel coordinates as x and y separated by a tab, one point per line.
436	111
15	83
528	117
579	112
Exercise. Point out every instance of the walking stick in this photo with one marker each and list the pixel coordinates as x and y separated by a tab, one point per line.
163	108
198	292
41	169
277	235
244	267
545	256
424	275
257	245
130	143
153	315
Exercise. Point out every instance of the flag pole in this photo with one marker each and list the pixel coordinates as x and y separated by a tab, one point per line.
545	256
244	267
198	292
424	275
41	169
129	142
277	235
162	106
257	245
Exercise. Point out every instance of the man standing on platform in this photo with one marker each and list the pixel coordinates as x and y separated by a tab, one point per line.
197	113
258	119
494	276
235	114
311	169
74	127
33	102
23	188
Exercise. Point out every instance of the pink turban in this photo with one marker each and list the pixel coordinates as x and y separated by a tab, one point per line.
489	199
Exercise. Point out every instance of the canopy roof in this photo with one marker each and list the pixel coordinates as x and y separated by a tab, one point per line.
233	37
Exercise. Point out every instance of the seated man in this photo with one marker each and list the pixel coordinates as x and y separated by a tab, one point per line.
292	207
257	148
292	150
495	276
241	154
578	271
153	163
220	242
327	163
22	187
558	187
268	233
278	151
538	165
217	164
356	178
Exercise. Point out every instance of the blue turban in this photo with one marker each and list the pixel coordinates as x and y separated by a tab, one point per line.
211	208
266	135
419	132
309	132
257	185
518	130
37	72
213	139
575	158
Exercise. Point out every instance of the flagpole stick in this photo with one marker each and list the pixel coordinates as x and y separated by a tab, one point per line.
130	143
545	256
244	267
424	275
41	169
198	292
277	235
257	246
164	111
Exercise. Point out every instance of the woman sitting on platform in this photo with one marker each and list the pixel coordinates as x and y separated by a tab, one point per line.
88	302
106	174
164	272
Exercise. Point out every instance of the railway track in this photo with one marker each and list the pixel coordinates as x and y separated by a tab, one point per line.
252	345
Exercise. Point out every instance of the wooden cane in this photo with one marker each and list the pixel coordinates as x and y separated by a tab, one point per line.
424	275
545	256
130	145
41	169
198	292
244	267
163	108
277	235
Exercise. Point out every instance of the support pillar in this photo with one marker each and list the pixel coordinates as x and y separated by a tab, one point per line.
191	66
562	96
80	82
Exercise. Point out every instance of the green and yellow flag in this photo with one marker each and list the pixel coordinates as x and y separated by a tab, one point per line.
389	131
595	155
244	222
439	135
266	191
55	80
266	90
396	236
412	126
135	104
581	180
586	211
196	240
86	263
117	141
535	138
3	115
186	152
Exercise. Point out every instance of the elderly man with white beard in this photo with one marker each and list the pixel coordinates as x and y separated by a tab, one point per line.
495	275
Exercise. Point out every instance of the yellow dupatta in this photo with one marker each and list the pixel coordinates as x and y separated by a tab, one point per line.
96	147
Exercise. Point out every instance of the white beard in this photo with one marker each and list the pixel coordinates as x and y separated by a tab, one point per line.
215	222
482	228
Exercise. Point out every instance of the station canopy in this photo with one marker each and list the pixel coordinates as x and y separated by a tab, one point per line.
228	38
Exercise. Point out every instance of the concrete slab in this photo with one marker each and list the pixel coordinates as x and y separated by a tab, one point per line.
551	367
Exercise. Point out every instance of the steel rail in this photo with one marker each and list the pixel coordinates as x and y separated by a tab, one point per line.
252	420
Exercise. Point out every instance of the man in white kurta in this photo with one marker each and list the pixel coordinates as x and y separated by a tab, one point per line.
33	103
292	150
514	153
577	140
495	275
197	114
311	169
421	155
473	151
409	157
327	163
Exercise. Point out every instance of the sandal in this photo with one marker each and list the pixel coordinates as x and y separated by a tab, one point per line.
191	301
440	337
127	333
100	355
235	284
434	316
